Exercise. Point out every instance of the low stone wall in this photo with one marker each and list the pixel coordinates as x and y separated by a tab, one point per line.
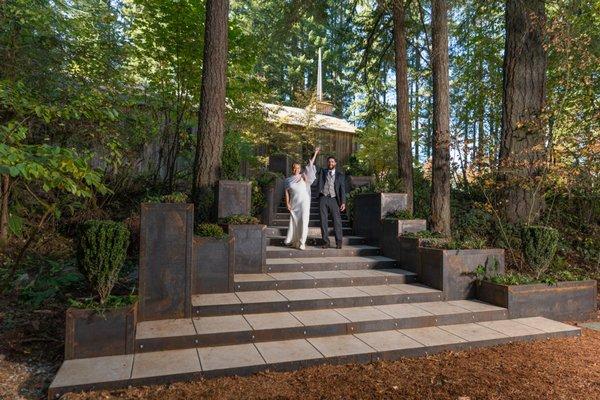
565	301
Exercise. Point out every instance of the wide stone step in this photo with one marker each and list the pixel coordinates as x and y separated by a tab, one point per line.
268	301
312	231
321	279
314	209
249	328
242	359
317	251
313	216
328	263
315	240
312	223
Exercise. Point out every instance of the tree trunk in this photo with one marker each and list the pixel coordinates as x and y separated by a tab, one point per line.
211	114
4	197
440	187
403	131
417	103
522	147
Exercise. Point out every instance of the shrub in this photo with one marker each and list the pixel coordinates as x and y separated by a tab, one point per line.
266	178
539	244
424	235
175	197
399	214
240	219
352	195
101	252
210	230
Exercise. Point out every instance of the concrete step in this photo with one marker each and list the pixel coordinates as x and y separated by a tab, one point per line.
169	366
248	328
312	223
328	263
317	251
269	301
313	216
315	240
321	279
312	231
314	209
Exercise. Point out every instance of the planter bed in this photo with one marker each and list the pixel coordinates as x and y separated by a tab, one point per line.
574	300
370	209
165	267
213	265
250	248
452	271
403	249
91	334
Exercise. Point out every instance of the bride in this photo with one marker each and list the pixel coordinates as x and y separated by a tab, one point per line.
297	199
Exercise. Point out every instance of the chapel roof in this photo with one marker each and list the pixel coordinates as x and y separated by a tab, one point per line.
302	117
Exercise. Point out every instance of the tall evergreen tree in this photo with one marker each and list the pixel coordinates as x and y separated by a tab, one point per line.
211	115
440	189
403	126
522	147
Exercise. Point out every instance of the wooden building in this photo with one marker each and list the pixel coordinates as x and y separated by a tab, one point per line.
298	130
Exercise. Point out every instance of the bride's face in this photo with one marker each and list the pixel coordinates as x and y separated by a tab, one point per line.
296	169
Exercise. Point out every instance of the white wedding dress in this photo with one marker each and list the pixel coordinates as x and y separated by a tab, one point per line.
299	192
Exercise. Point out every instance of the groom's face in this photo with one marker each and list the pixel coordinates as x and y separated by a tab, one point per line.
331	163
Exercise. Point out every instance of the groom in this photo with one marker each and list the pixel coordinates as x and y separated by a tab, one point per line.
332	199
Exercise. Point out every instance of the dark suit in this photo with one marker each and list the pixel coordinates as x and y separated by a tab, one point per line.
331	205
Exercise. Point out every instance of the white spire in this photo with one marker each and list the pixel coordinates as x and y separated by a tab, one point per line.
319	79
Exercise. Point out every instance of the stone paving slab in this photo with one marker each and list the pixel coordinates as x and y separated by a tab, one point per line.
288	351
229	357
221	324
172	365
388	340
511	328
474	332
165	328
303	294
160	363
272	320
359	314
319	317
547	325
403	310
432	336
380	290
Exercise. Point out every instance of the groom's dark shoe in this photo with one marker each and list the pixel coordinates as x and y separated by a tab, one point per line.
325	246
338	246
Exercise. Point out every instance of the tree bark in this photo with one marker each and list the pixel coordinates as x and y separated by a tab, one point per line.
4	197
440	188
403	126
417	103
211	114
522	156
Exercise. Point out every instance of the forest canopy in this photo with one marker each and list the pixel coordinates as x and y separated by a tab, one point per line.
99	108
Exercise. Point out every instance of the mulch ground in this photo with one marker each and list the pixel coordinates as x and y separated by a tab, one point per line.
553	369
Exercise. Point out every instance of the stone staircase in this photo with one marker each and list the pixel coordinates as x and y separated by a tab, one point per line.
309	307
